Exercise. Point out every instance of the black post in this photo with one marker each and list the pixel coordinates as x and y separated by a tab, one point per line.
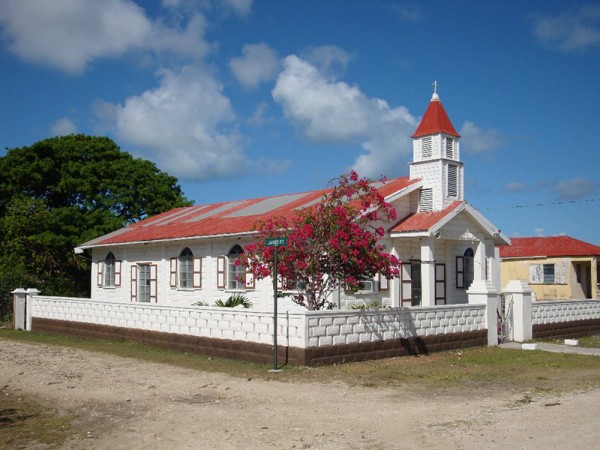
275	311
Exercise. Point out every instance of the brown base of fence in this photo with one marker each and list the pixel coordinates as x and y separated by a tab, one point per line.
263	353
565	330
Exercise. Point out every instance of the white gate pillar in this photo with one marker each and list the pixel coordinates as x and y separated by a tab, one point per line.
484	292
519	293
19	309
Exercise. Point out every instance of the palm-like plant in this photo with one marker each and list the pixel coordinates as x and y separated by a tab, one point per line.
234	301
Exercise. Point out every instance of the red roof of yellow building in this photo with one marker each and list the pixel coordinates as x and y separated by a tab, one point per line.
552	246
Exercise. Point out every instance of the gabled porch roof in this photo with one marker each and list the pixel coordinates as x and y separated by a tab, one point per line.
426	224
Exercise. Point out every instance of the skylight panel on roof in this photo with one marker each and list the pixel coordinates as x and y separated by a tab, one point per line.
267	205
177	215
215	211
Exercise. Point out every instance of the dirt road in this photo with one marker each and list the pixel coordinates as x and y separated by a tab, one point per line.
125	403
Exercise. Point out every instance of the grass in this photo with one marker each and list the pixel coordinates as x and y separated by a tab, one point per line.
25	424
590	341
466	372
482	367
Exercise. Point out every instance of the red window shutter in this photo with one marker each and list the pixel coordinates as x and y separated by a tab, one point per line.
100	278
153	282
134	283
173	272
221	266
197	273
118	265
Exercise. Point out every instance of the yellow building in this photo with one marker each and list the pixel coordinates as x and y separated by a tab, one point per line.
556	268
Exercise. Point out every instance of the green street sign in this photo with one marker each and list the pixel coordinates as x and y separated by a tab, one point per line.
276	242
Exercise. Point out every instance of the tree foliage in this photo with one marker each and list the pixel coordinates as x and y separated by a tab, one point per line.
60	192
330	244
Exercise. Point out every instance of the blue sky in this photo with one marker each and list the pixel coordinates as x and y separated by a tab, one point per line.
243	99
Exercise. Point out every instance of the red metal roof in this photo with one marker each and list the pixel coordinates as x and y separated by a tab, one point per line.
423	221
219	219
527	247
435	120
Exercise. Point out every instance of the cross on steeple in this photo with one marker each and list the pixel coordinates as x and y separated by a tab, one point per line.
435	85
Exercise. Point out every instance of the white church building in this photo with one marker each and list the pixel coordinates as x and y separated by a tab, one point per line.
447	248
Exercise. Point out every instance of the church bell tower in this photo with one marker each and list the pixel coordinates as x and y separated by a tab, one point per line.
436	158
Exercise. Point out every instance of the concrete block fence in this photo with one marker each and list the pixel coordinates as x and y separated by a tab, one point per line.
565	319
304	337
308	337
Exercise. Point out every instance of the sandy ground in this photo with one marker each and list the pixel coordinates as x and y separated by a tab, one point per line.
124	403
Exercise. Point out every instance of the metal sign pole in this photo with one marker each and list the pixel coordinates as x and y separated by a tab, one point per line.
275	242
275	311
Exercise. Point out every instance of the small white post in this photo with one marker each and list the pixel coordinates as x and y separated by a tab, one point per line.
521	297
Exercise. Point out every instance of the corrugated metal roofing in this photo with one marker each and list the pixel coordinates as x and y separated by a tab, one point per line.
423	221
435	120
552	246
236	217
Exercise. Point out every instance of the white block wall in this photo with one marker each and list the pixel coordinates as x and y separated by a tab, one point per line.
564	311
300	329
219	323
355	326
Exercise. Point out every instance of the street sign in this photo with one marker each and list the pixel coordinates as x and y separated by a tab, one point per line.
276	242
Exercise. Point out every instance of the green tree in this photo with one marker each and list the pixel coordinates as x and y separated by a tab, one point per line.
60	192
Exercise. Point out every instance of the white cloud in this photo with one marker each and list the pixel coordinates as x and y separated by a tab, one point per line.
410	13
240	7
63	127
538	232
575	189
186	42
183	125
515	186
259	117
331	61
477	140
573	30
258	64
334	112
69	34
272	166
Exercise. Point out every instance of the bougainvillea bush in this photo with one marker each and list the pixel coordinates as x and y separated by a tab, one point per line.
330	244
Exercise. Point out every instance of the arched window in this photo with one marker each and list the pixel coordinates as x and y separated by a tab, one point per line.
464	269
109	269
236	274
186	268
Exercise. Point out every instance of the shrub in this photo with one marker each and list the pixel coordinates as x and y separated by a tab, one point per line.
234	301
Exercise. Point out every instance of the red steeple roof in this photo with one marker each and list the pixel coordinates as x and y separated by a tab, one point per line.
435	120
